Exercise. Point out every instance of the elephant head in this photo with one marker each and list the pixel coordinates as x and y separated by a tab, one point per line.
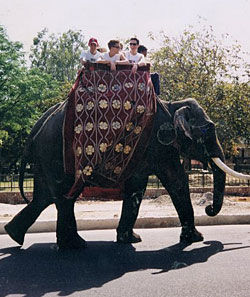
190	130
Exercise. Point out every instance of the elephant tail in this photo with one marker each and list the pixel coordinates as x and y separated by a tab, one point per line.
24	161
27	153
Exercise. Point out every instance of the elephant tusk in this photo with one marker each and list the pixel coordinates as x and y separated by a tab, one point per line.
228	170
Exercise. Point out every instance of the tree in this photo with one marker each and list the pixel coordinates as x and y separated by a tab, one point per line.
23	92
58	55
197	65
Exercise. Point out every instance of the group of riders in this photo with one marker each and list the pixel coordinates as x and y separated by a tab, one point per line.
136	56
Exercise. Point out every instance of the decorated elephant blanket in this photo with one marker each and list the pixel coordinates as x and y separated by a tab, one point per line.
107	126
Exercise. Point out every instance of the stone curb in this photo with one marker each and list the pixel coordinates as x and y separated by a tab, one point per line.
151	222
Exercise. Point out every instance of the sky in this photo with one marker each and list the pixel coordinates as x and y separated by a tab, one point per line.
110	19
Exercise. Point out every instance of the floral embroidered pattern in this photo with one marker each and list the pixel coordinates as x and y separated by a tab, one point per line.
103	147
141	86
102	88
88	170
127	149
140	109
90	105
78	129
91	89
79	107
137	130
119	148
80	89
116	88
78	173
127	105
103	103
116	125
110	116
89	126
129	85
116	104
78	151
90	150
103	126
129	126
109	166
117	170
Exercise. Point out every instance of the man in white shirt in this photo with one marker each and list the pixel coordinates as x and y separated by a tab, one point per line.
133	56
92	55
114	56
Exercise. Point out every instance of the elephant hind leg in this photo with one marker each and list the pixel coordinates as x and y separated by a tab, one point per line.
19	225
66	232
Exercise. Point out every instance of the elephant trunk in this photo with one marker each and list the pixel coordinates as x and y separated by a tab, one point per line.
219	183
213	150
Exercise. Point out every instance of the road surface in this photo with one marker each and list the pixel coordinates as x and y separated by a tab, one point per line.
159	266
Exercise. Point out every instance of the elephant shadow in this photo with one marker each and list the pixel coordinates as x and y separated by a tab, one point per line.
40	269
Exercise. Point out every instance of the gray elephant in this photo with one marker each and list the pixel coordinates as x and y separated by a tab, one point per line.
180	129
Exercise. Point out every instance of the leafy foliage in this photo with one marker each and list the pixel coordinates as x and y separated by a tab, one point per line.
197	65
57	55
22	95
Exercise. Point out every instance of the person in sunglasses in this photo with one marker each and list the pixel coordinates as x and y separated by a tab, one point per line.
133	56
92	55
114	55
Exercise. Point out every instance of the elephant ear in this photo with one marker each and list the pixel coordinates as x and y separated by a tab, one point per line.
166	133
181	120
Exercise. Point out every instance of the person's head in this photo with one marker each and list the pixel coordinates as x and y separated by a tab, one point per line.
93	44
142	50
134	43
121	46
114	45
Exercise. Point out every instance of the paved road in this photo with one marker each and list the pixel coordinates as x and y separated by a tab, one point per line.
218	267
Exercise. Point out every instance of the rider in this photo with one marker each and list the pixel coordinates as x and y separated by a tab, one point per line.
92	55
155	78
133	56
114	56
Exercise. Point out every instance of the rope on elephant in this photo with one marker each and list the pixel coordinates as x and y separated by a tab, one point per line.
108	122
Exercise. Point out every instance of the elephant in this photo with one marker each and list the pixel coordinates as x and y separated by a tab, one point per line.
180	129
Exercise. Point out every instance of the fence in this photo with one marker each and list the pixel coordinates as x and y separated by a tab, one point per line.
10	182
198	178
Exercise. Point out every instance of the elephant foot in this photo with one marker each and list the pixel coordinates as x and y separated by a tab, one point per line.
14	234
76	242
190	235
128	237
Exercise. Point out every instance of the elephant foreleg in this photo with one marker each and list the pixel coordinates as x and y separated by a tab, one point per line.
66	232
175	180
134	190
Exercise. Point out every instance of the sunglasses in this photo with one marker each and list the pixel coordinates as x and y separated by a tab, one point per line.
116	46
133	44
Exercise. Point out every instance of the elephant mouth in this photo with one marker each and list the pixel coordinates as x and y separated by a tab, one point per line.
230	171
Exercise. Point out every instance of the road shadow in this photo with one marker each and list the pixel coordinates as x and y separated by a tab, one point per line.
41	269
